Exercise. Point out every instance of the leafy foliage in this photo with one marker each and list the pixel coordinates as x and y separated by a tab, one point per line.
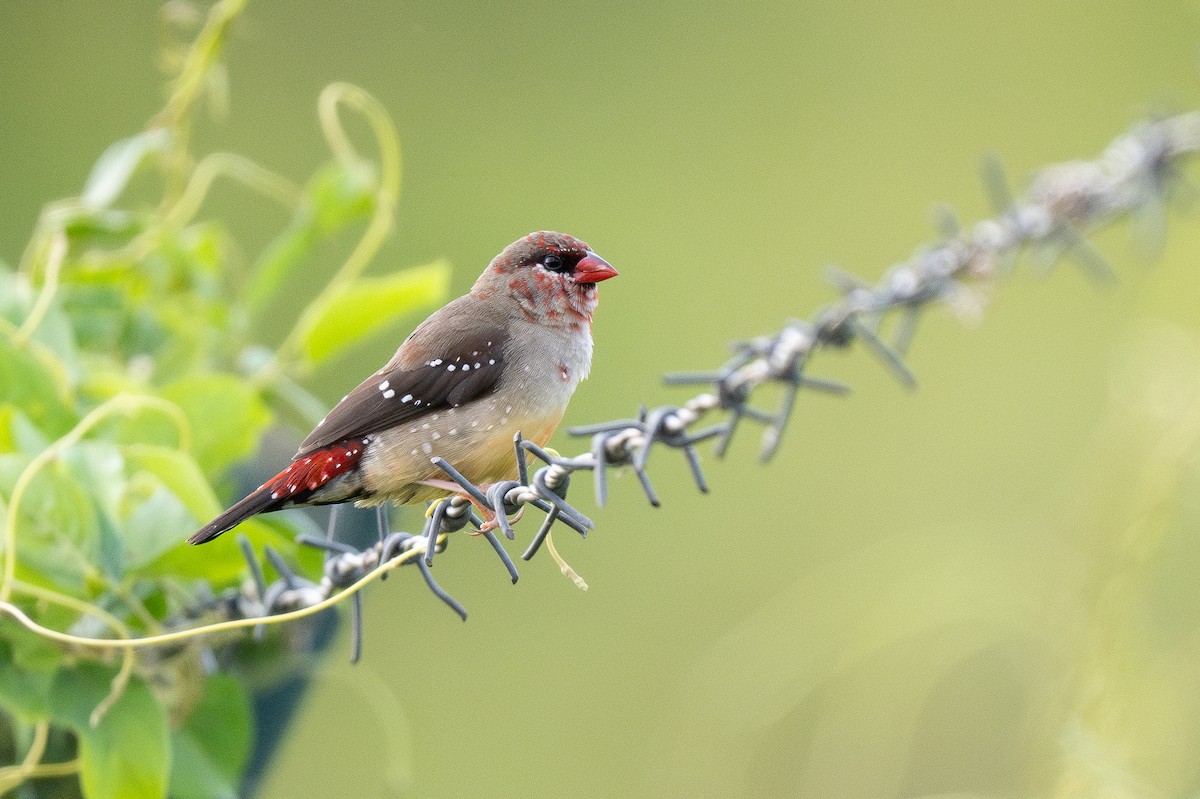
130	386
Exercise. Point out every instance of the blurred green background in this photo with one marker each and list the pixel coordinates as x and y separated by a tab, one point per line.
986	587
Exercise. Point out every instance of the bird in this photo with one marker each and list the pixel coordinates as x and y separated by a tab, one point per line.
504	358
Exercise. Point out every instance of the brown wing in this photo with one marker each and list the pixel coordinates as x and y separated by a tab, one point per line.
442	365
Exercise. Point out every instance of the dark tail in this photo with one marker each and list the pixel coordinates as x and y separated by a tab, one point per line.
259	501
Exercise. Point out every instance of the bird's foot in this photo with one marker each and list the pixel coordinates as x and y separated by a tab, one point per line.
492	522
490	517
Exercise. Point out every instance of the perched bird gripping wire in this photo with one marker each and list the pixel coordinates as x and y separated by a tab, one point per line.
504	358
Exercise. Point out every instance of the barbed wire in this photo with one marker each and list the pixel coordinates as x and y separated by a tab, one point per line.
1137	172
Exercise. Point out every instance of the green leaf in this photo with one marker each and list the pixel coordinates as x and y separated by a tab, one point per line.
180	473
110	227
156	522
54	330
149	498
57	522
336	196
182	498
117	164
111	551
370	304
210	750
27	664
207	247
99	468
227	418
126	755
98	312
340	193
36	388
18	434
16	296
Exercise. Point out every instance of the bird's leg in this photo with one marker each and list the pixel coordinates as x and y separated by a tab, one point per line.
453	489
381	519
486	511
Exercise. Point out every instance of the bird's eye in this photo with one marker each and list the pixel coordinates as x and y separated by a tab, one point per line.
554	263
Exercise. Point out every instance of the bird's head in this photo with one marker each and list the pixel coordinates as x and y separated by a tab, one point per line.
550	276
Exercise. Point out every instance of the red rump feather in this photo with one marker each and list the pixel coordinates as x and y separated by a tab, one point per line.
302	477
315	469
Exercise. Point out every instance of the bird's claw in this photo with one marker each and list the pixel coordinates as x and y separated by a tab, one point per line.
492	519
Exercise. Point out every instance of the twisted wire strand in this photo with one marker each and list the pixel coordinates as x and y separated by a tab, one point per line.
1137	172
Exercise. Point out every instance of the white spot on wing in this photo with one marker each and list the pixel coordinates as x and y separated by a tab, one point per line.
427	448
383	386
389	394
450	367
406	398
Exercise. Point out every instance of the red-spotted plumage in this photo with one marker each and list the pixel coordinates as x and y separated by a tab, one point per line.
504	358
316	469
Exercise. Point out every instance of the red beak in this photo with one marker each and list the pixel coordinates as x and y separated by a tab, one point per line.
592	269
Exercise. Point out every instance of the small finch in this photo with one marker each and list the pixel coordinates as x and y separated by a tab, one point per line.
504	358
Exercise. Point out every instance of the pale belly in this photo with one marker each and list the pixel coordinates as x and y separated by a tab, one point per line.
480	445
